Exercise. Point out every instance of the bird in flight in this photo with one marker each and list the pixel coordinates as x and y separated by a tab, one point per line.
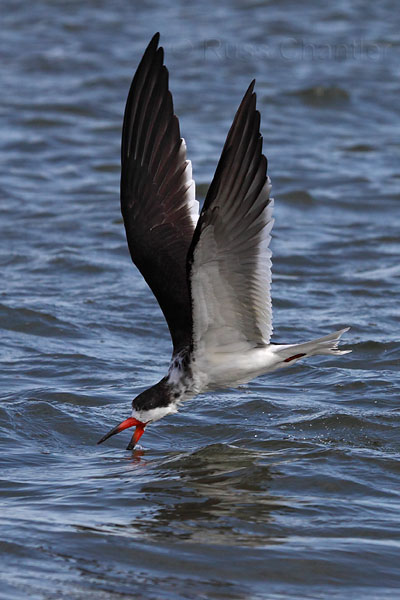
210	272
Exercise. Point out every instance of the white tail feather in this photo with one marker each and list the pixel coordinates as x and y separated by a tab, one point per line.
327	345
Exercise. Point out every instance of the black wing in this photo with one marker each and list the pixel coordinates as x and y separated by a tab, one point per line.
157	192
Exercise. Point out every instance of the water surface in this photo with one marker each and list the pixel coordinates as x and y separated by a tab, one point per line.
288	488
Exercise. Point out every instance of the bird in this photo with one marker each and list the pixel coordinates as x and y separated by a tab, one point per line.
209	270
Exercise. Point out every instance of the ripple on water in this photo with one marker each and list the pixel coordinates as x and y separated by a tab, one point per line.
35	322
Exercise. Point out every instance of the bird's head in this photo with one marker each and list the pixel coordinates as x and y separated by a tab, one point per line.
150	406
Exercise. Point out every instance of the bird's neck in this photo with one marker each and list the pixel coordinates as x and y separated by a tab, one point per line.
180	377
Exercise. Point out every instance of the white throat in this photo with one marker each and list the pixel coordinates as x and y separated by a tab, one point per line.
155	414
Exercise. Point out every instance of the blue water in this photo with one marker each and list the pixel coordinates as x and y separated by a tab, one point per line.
287	488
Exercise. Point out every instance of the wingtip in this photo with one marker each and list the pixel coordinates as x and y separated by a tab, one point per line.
153	44
248	100
155	50
250	89
249	95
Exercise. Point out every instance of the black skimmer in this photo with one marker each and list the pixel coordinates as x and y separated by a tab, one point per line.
210	272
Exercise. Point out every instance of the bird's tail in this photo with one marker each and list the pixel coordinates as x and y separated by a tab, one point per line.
291	353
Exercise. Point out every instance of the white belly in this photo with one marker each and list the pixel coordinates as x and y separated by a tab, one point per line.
230	369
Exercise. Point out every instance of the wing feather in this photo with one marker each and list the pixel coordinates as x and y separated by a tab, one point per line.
157	192
230	259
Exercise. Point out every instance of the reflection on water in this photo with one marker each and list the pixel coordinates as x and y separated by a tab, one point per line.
215	495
